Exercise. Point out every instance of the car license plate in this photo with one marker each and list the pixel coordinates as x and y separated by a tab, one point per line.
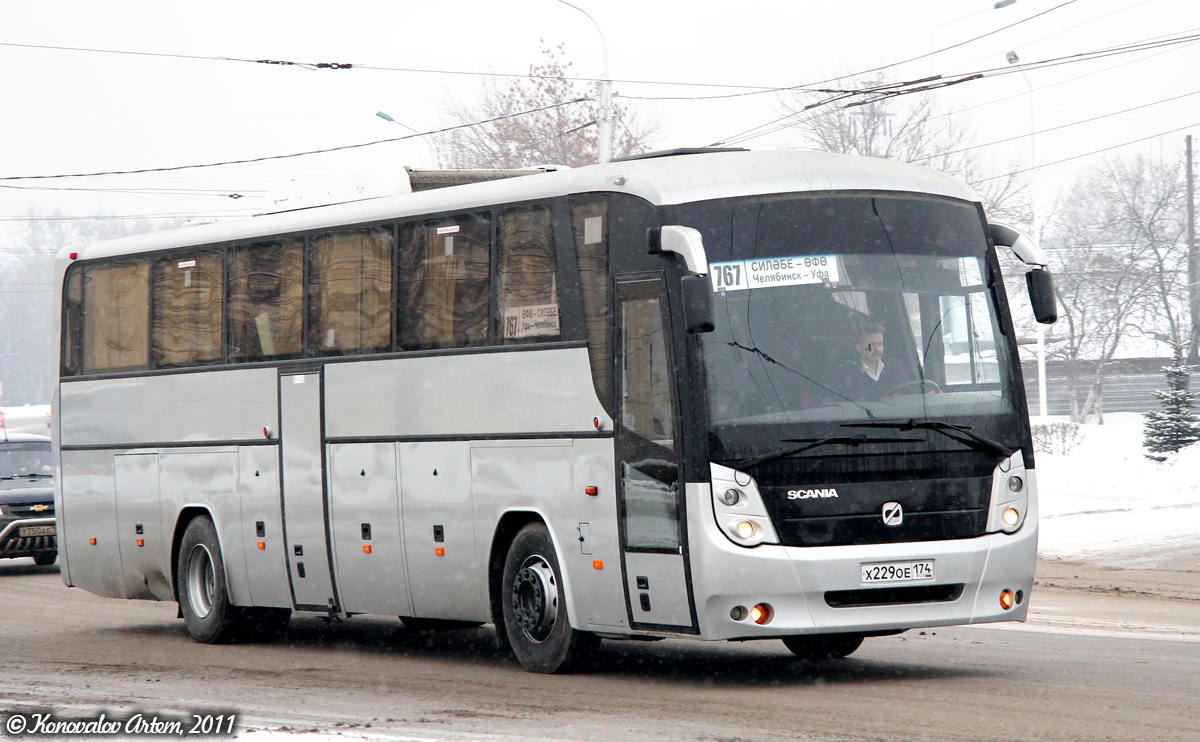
35	531
891	572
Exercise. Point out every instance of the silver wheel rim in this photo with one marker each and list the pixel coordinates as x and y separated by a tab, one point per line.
201	581
535	599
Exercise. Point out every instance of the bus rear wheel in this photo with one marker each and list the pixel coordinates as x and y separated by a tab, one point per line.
200	583
535	611
818	647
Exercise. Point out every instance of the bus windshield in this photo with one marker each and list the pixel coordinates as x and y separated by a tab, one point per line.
836	311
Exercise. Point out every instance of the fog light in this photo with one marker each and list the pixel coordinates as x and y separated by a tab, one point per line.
1011	516
1006	599
732	497
762	613
1015	483
745	529
738	613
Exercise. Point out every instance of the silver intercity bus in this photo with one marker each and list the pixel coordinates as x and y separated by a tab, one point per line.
721	394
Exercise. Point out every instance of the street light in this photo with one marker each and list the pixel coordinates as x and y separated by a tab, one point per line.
421	135
1013	58
995	6
605	121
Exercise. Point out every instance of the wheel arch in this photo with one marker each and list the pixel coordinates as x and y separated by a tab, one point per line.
507	527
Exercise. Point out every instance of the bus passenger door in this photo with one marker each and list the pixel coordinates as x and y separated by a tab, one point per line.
305	531
648	473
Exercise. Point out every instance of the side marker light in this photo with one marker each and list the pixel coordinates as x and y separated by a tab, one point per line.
262	545
141	542
92	541
597	564
366	548
591	490
439	551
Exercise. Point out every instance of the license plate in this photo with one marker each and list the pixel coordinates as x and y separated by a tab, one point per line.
891	572
35	531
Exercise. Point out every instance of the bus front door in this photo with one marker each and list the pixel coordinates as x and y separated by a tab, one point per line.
305	526
649	482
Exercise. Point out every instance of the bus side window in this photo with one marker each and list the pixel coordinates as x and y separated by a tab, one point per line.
266	301
72	319
444	282
589	221
350	285
116	333
528	306
189	294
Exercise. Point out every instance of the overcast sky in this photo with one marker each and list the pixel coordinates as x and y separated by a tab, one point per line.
69	111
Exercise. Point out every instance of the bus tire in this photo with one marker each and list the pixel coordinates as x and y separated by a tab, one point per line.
819	647
535	610
45	559
200	583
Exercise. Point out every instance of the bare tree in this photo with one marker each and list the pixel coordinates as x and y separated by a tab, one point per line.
1120	271
560	130
909	128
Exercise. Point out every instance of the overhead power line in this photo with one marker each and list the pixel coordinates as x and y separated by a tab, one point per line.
1089	154
297	154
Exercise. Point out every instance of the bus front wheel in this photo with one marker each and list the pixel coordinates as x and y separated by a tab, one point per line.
535	611
818	647
200	583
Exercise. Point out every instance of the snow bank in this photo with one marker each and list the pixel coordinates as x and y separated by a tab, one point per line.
1106	503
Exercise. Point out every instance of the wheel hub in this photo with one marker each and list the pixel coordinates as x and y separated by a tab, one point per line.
535	598
201	581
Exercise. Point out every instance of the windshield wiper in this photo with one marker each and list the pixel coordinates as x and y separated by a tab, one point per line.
852	440
31	475
972	439
806	377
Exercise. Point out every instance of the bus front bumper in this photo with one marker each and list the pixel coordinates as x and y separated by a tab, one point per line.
820	590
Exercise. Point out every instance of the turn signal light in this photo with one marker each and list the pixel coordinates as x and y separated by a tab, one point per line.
745	529
762	613
1011	516
1006	599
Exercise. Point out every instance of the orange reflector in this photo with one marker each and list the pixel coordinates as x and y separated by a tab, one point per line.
366	548
439	551
1006	599
141	542
92	541
262	545
591	490
597	564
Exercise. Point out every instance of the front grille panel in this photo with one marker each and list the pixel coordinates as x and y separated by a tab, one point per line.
27	509
894	595
847	530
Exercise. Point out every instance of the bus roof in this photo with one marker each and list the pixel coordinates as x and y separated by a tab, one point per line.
667	180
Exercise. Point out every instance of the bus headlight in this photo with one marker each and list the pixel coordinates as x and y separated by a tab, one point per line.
738	508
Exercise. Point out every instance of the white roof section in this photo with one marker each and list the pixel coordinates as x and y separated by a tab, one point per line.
666	180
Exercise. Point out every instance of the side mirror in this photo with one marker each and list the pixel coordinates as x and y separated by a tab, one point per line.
697	304
684	241
1041	295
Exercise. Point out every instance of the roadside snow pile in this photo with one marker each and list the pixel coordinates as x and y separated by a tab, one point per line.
1107	503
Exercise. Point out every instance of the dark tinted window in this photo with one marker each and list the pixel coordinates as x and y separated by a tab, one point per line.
444	283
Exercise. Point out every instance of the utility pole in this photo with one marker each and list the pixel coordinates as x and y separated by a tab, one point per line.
1193	258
